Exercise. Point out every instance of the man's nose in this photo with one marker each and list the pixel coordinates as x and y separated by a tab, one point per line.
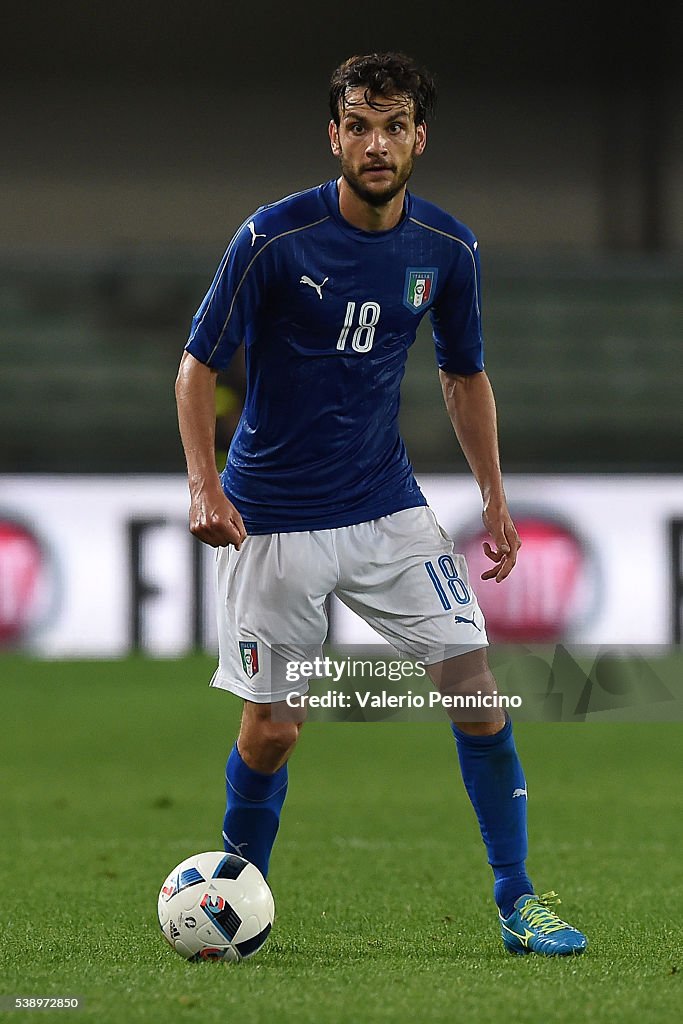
377	142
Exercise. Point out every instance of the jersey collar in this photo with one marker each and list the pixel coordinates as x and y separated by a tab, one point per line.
330	194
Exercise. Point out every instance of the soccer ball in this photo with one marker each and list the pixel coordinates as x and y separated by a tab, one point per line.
215	906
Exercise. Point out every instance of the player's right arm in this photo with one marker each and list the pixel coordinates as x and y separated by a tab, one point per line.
213	518
220	324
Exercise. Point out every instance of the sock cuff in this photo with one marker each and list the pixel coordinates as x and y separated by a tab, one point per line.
468	740
250	784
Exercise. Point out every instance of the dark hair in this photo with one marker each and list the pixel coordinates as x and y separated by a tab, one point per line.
384	74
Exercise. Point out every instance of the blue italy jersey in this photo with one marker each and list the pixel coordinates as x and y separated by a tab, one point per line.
327	313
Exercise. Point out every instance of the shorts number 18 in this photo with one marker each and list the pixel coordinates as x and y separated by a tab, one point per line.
457	586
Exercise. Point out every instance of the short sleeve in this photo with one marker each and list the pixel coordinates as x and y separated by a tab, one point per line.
456	314
232	302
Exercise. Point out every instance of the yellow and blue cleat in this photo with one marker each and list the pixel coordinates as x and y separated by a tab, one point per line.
533	927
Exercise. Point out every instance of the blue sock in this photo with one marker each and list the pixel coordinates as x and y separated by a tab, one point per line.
493	775
252	816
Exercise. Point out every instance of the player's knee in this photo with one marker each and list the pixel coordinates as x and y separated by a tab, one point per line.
465	673
265	744
468	690
279	737
490	727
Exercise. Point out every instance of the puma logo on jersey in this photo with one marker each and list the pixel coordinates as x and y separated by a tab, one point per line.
519	792
254	236
305	279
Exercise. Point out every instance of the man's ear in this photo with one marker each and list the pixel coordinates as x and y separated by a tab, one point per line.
420	138
333	132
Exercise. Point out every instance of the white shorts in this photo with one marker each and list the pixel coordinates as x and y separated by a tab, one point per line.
399	573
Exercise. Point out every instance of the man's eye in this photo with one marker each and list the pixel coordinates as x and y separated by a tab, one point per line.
396	127
356	128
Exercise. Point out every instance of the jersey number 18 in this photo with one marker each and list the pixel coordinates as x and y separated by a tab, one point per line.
364	334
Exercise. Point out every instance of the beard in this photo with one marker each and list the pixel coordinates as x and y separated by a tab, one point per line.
375	197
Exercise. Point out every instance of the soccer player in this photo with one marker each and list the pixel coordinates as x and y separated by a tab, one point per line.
326	288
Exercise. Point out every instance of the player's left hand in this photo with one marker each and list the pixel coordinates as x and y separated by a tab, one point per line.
498	522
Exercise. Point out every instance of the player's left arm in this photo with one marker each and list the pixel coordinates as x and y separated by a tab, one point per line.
472	410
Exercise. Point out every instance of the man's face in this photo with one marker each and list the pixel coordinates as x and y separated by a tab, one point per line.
376	147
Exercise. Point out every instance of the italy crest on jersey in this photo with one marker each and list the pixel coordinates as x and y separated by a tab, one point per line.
419	287
249	656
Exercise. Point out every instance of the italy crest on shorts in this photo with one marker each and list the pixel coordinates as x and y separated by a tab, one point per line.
419	287
249	656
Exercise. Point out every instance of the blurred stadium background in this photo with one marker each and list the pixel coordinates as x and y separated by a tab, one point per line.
139	136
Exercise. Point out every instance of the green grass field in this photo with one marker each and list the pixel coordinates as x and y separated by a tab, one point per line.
112	773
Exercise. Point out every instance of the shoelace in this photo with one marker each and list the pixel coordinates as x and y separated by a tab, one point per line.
537	912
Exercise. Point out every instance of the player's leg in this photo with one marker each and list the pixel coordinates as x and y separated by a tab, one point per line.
271	600
256	779
407	582
415	591
492	773
495	783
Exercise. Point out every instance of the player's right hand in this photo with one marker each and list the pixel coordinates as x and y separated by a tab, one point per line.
214	520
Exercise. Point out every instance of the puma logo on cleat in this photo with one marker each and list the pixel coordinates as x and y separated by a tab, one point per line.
254	236
519	792
305	279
